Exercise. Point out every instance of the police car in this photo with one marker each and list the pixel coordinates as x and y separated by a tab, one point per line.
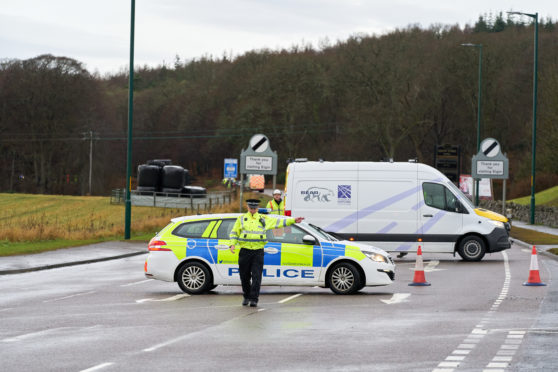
194	251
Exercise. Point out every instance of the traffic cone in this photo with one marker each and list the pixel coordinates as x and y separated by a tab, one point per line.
534	276
419	279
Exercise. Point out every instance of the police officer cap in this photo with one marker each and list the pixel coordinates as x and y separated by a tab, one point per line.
253	203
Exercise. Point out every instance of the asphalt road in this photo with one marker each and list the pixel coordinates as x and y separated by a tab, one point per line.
106	316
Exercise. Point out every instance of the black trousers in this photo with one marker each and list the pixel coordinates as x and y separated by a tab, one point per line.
250	267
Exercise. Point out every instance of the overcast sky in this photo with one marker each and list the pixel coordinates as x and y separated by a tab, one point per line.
97	32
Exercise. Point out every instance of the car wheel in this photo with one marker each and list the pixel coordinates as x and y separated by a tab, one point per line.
472	248
344	278
194	278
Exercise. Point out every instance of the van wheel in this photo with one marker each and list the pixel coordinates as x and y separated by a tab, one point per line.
472	248
194	278
344	278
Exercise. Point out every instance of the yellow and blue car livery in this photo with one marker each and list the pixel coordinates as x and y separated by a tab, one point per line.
194	251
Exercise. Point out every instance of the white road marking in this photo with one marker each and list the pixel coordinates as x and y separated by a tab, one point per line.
97	367
32	334
70	296
397	298
135	283
430	266
6	309
173	298
496	365
289	298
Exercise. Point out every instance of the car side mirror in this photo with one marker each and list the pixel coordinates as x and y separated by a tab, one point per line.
309	239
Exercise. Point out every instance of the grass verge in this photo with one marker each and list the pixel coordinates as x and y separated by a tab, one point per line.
32	223
533	237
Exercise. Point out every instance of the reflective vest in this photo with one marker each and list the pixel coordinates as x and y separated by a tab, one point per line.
250	230
276	208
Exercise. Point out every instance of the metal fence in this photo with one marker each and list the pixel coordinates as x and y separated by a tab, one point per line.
195	203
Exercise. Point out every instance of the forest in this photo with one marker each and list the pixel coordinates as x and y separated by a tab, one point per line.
367	98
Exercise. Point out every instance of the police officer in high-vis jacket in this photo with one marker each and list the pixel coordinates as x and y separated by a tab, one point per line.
249	234
276	205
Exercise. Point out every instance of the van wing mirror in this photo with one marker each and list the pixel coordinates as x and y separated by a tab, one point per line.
309	239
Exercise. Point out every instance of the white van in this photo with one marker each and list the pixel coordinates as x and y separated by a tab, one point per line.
394	206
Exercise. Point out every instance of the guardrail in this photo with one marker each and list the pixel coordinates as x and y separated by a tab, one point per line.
196	203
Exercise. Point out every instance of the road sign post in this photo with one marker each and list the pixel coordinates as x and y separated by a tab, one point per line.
489	162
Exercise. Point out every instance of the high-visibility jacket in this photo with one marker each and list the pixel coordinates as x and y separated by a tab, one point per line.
276	208
249	230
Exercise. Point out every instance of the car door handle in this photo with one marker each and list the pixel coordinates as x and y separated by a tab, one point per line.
221	247
271	250
426	215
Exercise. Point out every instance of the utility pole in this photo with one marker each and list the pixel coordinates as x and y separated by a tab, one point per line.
90	136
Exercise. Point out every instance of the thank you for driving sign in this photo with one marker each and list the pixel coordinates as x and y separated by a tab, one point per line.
258	158
489	162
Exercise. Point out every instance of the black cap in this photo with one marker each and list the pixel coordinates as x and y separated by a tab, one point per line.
253	203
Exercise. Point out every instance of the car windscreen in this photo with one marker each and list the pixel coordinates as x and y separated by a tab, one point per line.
320	233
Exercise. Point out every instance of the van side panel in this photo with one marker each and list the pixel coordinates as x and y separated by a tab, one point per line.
388	209
325	196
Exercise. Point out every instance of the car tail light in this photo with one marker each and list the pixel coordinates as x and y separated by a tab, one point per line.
157	245
288	213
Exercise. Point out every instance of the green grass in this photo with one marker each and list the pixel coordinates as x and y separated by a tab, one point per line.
548	197
533	237
553	251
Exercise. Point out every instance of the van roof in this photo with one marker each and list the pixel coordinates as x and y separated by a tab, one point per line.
361	165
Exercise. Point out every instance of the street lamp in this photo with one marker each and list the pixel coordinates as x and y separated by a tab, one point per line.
128	202
534	135
478	111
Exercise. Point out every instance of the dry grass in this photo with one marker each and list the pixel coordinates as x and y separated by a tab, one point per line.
27	218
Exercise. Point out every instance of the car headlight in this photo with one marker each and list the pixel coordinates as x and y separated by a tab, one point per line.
376	257
498	224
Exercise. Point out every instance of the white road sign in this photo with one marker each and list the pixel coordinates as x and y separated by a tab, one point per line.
492	168
258	163
259	143
490	147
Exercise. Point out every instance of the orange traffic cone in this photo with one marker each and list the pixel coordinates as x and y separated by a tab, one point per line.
419	279
534	276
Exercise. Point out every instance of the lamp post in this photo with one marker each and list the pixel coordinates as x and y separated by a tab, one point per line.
534	135
478	111
128	202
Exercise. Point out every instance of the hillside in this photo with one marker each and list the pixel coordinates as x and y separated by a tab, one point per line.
548	197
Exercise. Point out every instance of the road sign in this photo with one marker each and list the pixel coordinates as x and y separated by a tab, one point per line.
259	163
231	168
258	158
490	162
490	147
259	143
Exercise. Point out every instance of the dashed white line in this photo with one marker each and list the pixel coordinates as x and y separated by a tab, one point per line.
70	296
289	298
97	367
136	283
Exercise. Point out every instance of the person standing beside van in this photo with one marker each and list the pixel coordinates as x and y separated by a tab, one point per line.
250	234
276	205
